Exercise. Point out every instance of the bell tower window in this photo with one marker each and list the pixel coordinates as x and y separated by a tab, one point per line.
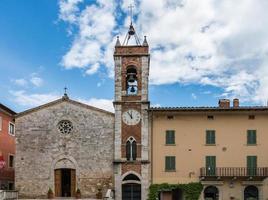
131	149
131	81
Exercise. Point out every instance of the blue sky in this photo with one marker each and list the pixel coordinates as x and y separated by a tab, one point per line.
200	52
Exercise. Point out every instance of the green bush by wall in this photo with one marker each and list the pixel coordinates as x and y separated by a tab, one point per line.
191	191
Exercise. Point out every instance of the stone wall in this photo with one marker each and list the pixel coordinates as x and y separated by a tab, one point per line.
41	148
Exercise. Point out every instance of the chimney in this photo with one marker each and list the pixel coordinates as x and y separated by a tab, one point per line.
224	103
235	103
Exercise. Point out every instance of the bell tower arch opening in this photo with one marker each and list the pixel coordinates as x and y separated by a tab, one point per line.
132	81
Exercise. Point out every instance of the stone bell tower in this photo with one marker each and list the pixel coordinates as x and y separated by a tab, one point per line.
132	139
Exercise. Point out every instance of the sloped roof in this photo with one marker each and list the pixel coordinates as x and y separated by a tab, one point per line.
6	109
63	99
211	109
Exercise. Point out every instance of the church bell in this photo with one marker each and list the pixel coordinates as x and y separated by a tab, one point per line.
131	78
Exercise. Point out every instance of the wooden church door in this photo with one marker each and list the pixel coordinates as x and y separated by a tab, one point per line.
57	182
73	182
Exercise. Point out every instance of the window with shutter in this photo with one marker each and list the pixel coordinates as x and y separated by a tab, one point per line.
251	137
252	165
170	137
211	165
210	137
170	163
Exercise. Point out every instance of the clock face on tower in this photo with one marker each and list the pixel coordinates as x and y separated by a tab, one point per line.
131	117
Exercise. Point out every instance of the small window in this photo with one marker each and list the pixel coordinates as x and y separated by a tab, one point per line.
170	163
251	117
170	137
11	128
210	117
251	137
170	117
65	127
210	137
11	161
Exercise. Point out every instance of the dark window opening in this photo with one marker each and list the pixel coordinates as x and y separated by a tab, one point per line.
210	117
251	117
170	117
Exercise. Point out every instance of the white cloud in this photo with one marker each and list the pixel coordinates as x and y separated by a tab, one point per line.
20	82
36	81
32	100
93	69
69	10
105	104
95	25
208	42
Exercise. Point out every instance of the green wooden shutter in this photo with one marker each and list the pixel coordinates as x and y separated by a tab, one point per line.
170	137
211	165
251	137
170	163
252	165
210	137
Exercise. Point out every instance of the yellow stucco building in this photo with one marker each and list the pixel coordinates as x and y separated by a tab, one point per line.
224	147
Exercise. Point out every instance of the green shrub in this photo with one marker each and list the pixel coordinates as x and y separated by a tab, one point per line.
191	191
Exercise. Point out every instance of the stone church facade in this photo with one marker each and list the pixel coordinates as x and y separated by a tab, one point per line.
64	145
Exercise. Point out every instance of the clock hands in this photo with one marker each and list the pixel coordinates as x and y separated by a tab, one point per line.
130	114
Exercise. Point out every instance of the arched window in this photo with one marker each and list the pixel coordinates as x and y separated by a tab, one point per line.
251	192
131	81
131	187
131	149
211	192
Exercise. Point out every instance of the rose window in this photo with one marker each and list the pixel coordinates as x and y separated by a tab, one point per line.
65	127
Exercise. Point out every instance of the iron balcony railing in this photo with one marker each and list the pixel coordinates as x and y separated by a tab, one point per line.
234	172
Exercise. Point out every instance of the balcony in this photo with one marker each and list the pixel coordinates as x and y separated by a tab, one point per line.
245	173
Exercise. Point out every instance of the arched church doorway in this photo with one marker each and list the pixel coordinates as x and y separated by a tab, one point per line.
211	193
65	182
251	193
131	188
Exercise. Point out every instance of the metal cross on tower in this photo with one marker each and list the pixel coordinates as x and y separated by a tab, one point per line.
131	30
130	12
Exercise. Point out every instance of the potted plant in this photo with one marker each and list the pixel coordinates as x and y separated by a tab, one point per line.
99	193
50	194
78	194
